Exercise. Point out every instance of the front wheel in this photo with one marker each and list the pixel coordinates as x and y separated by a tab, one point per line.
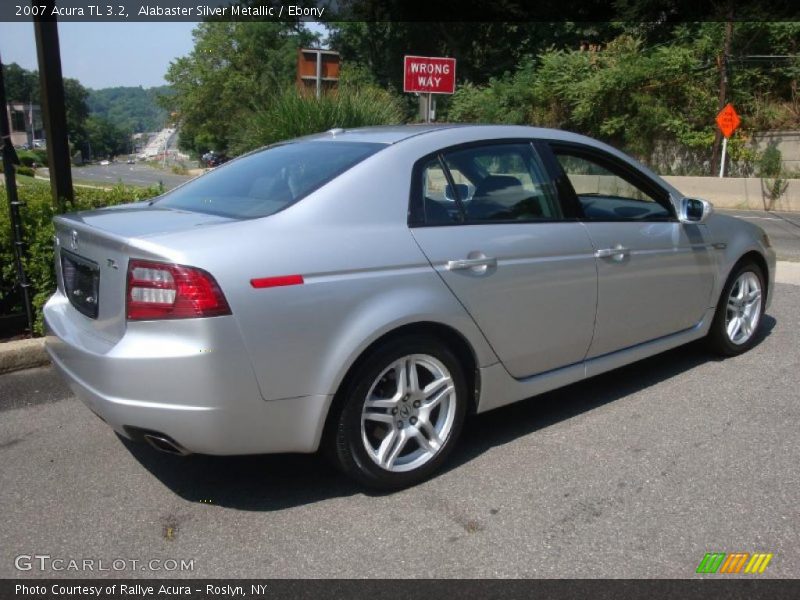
739	312
401	414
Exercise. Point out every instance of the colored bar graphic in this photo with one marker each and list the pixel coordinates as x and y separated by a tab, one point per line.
711	562
735	562
758	563
714	562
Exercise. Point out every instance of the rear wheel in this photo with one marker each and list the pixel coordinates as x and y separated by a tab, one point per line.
402	413
739	312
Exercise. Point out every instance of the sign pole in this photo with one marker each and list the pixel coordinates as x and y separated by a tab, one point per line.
728	122
724	152
430	109
17	231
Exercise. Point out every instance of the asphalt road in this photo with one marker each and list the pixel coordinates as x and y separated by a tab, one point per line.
783	229
636	473
136	174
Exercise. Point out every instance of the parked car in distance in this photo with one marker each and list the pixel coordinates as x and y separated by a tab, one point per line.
105	163
362	291
213	159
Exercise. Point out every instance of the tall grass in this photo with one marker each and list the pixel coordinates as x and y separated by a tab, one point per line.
292	113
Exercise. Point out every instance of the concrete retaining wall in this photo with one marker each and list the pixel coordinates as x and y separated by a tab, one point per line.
737	192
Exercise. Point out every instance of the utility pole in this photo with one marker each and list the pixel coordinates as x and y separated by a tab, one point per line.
54	113
724	63
17	233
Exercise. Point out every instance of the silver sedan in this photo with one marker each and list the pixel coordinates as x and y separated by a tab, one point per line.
362	291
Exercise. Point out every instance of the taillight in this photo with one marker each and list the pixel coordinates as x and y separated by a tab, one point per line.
164	291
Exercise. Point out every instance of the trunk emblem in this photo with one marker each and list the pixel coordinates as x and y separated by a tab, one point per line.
73	242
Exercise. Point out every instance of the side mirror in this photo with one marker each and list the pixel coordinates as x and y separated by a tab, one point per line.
694	210
461	188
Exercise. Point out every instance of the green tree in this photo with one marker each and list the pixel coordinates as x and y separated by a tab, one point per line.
23	86
133	109
104	138
233	68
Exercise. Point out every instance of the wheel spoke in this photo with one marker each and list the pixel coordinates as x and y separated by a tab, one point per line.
375	403
733	328
432	402
746	328
428	438
753	297
740	294
434	386
391	447
411	373
380	417
400	378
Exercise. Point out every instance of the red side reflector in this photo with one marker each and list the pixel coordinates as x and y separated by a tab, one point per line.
268	282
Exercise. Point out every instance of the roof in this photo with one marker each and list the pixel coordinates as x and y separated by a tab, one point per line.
387	134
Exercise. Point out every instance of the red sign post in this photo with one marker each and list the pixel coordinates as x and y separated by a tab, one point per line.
728	122
429	75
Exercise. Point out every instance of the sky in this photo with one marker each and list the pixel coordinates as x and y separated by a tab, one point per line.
107	54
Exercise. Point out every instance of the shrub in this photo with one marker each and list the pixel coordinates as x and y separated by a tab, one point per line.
37	217
23	170
292	114
32	158
773	176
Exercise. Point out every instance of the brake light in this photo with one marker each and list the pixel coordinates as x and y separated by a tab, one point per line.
165	291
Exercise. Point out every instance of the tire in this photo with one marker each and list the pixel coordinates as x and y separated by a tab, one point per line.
742	298
400	439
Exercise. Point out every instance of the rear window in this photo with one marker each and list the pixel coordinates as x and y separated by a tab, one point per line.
269	180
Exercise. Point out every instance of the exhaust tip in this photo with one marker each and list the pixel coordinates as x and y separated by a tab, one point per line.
162	443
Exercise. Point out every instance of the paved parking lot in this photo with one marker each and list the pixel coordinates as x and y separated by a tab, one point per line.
636	473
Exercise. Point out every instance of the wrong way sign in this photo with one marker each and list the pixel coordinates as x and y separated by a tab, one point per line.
429	74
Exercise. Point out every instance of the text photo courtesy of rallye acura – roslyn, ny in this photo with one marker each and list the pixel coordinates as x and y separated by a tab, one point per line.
137	590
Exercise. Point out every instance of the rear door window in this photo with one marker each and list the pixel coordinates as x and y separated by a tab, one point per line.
269	180
503	182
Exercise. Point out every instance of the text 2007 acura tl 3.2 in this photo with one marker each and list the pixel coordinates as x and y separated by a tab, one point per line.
362	291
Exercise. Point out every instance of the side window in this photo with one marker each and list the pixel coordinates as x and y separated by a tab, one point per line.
502	182
606	194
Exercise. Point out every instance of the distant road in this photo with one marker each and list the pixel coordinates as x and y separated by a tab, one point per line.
137	174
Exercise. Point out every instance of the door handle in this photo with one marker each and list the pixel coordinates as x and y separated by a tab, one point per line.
479	264
618	252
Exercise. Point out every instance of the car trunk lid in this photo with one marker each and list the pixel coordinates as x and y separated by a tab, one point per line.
92	250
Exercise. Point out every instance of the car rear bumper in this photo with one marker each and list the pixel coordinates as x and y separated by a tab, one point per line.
189	380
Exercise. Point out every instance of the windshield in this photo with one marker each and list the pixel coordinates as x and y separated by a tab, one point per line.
269	180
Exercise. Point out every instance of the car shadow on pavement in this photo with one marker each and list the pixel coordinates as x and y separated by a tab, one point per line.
505	424
275	482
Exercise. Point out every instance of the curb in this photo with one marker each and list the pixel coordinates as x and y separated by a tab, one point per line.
22	354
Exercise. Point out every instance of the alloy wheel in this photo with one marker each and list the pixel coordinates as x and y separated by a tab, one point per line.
743	309
408	413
